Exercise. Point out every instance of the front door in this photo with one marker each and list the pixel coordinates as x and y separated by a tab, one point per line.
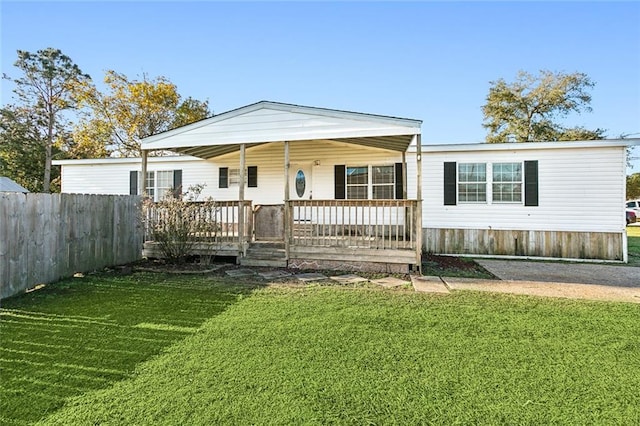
300	182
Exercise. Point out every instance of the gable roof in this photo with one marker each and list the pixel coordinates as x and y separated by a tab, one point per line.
265	122
9	185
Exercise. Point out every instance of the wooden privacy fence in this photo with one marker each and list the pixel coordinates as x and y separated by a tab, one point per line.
46	237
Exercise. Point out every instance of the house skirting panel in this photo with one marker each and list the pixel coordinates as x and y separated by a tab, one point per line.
551	244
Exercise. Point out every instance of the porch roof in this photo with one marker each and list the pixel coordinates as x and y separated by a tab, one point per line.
266	122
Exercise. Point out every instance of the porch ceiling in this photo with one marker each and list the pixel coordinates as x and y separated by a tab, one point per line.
209	151
392	143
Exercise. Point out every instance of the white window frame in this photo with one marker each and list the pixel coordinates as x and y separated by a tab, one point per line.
471	183
370	185
234	176
490	183
517	196
152	184
357	185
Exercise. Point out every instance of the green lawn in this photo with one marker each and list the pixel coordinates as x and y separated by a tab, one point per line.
633	239
154	349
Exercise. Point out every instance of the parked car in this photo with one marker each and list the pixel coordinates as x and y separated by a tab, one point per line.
632	217
634	205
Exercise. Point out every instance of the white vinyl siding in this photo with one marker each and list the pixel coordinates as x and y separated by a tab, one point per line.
579	189
111	176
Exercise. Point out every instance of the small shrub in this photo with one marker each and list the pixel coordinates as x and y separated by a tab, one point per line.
182	225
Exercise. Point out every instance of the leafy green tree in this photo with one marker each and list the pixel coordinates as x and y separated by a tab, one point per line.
44	92
190	111
528	109
633	186
131	110
21	148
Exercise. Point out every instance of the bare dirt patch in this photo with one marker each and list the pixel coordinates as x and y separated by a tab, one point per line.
452	266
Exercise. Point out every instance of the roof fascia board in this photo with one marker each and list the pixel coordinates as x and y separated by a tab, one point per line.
523	146
125	160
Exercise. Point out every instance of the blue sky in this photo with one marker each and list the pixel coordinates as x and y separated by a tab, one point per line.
427	60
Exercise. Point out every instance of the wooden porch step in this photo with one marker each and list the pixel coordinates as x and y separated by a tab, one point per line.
270	254
271	263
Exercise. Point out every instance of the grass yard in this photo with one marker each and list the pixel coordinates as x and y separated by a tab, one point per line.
633	241
158	349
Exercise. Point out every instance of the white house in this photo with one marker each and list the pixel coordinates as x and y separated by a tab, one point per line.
338	186
542	199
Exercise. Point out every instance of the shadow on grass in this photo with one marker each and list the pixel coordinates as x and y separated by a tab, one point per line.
86	333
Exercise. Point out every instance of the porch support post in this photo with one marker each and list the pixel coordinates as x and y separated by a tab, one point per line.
404	176
241	227
142	179
418	140
287	216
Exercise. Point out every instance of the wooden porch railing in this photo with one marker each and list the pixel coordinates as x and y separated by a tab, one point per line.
205	221
369	224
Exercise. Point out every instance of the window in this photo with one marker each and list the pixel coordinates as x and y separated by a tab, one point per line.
382	182
234	177
231	177
507	182
357	183
472	182
492	183
369	182
159	184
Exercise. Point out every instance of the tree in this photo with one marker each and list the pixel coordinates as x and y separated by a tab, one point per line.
528	109
633	186
21	153
190	111
46	89
131	110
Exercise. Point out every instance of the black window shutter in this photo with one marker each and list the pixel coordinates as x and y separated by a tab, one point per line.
133	182
177	183
450	183
531	183
339	181
223	177
399	181
252	176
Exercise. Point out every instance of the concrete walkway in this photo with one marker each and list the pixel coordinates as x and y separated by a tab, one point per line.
580	273
548	289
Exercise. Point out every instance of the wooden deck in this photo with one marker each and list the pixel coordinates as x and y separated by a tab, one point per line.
377	231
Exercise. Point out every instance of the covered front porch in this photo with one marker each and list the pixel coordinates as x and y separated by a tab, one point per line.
359	224
378	231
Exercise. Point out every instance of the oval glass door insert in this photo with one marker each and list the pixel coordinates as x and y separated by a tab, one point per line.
301	183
